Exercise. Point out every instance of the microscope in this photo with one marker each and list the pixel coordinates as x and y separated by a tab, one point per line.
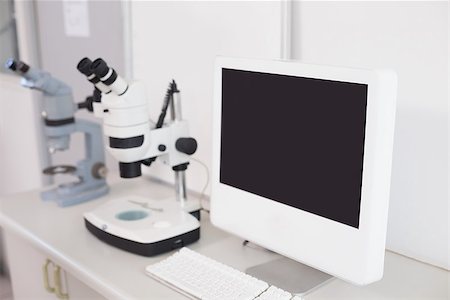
137	224
58	115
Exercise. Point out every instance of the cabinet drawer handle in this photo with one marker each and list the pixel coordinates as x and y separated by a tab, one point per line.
47	286
58	287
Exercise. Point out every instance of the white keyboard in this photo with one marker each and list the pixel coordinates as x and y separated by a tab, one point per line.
200	277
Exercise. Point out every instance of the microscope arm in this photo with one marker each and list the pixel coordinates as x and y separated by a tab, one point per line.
92	167
44	82
170	143
59	107
38	79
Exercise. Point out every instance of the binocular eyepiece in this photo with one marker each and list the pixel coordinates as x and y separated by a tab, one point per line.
84	66
17	66
102	76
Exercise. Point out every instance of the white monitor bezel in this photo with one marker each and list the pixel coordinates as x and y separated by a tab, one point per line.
355	255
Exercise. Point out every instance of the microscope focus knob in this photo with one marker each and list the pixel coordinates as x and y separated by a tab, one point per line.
99	171
186	145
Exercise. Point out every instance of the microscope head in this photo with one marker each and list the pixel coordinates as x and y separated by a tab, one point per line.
59	106
125	115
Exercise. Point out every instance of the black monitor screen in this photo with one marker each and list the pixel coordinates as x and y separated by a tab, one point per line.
295	140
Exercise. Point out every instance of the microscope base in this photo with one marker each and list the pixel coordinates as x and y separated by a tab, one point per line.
145	249
64	199
142	226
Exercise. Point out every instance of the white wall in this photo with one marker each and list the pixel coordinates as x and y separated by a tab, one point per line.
19	154
61	53
180	40
412	39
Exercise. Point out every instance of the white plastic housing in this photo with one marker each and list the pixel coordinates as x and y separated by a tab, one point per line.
127	116
173	157
98	109
355	255
155	227
137	153
128	109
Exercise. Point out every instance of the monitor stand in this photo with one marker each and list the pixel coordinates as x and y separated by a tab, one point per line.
289	275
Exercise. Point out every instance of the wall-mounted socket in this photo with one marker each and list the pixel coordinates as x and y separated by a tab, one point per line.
76	18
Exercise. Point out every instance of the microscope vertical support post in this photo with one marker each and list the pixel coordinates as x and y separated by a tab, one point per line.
180	176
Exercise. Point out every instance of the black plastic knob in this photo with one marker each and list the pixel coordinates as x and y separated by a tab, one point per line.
186	145
87	104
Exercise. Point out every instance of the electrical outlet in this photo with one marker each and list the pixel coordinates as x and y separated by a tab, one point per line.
76	18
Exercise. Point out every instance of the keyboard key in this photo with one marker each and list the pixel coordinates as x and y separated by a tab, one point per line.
204	278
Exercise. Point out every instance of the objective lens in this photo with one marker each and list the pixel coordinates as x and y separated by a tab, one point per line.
130	170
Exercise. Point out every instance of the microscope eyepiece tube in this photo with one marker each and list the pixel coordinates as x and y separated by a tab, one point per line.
84	66
109	77
17	66
11	64
99	67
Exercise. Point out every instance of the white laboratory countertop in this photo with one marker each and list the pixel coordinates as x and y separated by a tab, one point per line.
116	274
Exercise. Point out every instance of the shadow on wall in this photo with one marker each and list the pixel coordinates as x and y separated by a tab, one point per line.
3	266
419	181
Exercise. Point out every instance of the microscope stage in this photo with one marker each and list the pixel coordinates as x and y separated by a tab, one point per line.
142	226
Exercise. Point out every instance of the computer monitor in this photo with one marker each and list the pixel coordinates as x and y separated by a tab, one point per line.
302	161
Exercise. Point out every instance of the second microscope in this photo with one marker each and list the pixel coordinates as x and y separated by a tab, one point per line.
58	115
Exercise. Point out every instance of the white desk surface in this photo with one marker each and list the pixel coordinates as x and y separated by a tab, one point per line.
116	274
